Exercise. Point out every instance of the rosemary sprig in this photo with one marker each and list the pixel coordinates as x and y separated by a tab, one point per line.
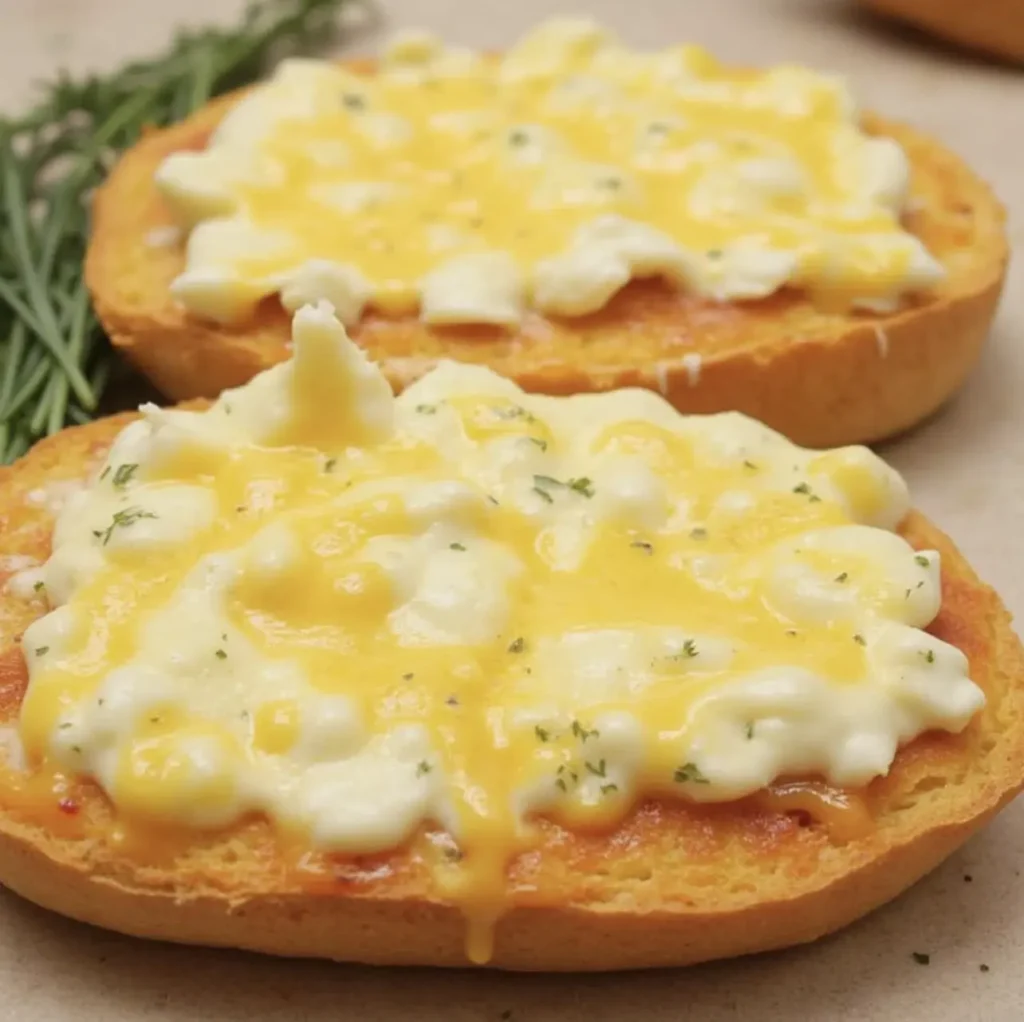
55	363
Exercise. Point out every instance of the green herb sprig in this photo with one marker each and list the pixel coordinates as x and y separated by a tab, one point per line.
55	363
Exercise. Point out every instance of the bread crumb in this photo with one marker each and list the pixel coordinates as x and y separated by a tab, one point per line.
661	378
692	365
882	340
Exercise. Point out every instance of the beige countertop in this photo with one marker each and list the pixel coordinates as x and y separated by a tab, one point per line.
966	468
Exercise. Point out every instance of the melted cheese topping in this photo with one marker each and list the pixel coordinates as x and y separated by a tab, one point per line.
471	187
470	606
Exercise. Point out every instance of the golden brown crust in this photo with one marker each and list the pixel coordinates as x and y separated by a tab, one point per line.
995	27
822	378
675	884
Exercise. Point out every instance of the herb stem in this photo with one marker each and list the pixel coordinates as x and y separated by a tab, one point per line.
40	413
28	316
204	71
16	207
28	388
12	360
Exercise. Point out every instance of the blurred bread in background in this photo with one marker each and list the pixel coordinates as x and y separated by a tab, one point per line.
992	26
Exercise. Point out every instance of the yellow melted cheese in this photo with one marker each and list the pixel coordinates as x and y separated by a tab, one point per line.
473	188
468	606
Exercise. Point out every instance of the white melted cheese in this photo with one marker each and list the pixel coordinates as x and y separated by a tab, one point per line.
191	661
476	188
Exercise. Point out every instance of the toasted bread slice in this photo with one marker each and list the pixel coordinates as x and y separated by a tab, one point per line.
676	883
995	27
822	378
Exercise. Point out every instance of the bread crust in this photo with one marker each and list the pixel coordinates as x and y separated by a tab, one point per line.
995	27
675	884
822	378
